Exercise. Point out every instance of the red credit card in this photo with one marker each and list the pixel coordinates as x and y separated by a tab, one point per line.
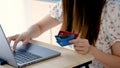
67	33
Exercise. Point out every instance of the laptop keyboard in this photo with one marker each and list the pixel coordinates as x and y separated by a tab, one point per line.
22	56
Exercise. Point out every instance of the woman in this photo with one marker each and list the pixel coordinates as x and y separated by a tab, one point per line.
97	22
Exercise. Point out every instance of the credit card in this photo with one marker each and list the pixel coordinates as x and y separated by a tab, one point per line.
63	40
67	33
64	37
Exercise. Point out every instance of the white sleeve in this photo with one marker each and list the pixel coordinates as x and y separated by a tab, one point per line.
114	28
56	11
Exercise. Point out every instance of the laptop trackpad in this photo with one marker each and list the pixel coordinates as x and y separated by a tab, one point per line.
36	49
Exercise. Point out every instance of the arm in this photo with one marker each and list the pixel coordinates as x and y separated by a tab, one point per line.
109	61
37	29
43	25
34	31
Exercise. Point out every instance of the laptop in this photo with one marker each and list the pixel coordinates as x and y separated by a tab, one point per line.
24	55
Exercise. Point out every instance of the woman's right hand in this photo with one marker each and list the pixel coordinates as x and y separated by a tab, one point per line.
24	37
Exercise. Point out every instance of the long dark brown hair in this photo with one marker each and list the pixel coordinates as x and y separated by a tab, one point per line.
83	16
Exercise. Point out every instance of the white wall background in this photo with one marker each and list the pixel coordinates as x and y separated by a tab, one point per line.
13	16
17	15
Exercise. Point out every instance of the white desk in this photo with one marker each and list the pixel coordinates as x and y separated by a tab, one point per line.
67	59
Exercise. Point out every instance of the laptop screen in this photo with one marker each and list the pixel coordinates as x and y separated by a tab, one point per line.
5	51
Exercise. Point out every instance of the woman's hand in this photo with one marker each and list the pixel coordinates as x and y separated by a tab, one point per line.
82	46
24	37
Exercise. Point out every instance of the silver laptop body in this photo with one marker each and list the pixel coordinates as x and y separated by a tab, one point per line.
24	55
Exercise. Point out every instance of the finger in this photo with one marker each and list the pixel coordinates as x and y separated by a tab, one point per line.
79	44
25	42
73	41
13	37
78	40
16	42
79	48
9	39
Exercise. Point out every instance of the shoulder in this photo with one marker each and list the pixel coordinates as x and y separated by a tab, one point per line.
112	2
111	10
111	21
56	11
112	5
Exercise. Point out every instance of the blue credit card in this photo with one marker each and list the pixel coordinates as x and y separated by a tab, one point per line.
63	40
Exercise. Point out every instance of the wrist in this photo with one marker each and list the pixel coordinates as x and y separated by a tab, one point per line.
92	49
27	34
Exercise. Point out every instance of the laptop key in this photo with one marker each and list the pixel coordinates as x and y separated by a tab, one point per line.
22	56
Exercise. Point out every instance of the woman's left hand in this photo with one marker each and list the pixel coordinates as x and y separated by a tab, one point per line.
82	46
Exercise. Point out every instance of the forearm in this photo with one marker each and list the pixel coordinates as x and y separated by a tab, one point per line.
34	31
42	26
109	61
